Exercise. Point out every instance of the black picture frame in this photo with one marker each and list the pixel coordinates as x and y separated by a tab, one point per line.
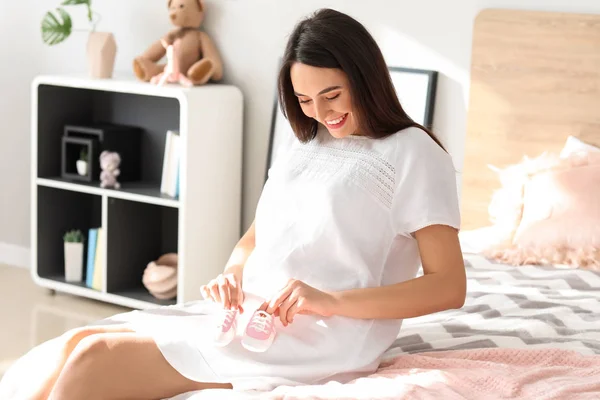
428	89
122	139
71	147
418	100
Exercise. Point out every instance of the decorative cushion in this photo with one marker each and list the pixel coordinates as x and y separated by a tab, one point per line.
575	145
549	211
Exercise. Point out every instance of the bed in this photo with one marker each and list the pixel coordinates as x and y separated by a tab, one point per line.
535	81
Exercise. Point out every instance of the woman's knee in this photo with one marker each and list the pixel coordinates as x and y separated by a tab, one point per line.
82	368
73	337
89	350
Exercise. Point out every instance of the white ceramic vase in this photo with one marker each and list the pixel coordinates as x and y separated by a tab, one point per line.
101	55
82	167
73	262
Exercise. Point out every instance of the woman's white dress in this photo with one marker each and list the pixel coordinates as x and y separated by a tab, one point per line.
337	214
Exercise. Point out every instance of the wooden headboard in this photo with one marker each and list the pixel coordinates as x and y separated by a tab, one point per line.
535	80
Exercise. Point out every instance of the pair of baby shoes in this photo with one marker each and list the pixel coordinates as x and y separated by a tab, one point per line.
258	336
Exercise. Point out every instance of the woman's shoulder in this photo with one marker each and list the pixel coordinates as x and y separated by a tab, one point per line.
414	139
426	183
413	144
418	156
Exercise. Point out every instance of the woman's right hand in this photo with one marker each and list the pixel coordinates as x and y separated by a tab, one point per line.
226	289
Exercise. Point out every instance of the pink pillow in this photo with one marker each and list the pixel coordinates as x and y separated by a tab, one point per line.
550	212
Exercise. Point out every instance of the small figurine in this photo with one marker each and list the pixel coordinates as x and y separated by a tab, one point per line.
109	162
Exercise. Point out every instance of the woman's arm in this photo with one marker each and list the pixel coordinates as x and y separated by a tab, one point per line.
227	287
241	252
442	287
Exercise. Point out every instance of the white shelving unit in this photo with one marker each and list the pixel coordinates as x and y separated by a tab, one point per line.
139	223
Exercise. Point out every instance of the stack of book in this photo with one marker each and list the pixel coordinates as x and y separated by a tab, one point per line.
170	172
95	259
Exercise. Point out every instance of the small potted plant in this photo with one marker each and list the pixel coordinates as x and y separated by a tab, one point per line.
57	26
73	256
82	163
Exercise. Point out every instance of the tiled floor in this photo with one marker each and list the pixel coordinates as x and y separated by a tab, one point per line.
30	315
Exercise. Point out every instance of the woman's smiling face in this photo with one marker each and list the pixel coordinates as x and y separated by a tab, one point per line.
324	95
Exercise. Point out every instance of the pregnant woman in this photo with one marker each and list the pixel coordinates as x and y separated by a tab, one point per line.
317	288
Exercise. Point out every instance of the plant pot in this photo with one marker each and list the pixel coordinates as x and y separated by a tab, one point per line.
82	167
101	54
73	262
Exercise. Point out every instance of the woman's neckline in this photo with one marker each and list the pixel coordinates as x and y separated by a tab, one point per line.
360	137
323	131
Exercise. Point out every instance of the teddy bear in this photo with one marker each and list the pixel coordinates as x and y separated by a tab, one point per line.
109	163
197	57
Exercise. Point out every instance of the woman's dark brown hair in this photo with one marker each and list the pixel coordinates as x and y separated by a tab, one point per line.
330	39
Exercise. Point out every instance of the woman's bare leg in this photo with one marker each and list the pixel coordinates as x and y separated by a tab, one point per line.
65	345
115	366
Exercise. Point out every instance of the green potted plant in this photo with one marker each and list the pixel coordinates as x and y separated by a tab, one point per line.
82	163
73	241
57	26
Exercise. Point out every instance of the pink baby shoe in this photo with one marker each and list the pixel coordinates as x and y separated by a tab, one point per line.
260	332
226	328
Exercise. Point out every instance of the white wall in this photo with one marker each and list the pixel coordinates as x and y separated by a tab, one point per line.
251	34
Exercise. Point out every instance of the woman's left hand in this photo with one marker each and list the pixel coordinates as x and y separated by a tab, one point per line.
299	298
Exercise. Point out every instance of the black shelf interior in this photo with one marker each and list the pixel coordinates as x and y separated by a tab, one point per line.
58	212
61	106
137	234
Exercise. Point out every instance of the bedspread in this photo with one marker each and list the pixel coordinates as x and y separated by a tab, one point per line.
513	307
469	374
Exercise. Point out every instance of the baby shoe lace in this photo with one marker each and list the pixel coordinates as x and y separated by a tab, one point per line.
229	316
260	322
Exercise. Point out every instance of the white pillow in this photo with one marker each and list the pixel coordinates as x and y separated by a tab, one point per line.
575	145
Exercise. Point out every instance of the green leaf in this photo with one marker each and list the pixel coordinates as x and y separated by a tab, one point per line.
56	30
75	2
73	236
88	3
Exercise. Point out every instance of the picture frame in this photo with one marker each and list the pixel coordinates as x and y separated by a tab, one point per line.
416	90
